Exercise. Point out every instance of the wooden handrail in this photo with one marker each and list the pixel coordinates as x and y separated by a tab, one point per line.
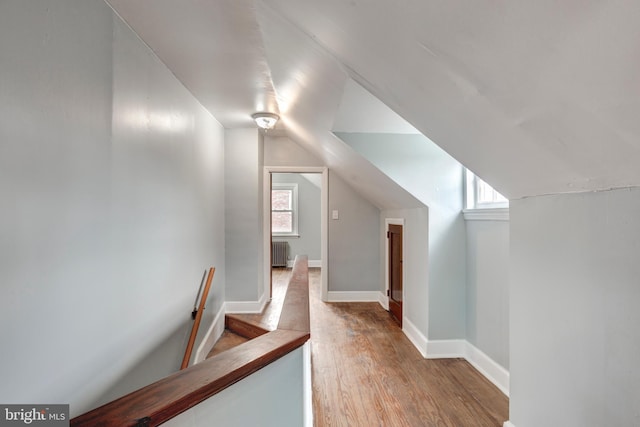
295	308
163	400
196	322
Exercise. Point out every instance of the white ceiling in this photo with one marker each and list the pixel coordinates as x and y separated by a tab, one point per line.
214	47
536	97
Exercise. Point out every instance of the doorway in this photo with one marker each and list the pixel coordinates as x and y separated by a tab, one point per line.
267	226
395	288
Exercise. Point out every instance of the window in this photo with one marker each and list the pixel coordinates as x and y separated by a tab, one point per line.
284	209
481	195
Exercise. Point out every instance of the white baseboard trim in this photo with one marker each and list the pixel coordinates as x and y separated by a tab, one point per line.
383	300
242	307
213	333
415	336
495	373
313	263
307	386
508	424
447	349
353	296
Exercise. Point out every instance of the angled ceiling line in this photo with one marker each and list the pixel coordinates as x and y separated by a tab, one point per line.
323	48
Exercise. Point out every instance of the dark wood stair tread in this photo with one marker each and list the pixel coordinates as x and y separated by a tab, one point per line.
227	340
237	331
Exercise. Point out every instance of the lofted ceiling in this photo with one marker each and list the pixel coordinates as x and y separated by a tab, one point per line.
536	97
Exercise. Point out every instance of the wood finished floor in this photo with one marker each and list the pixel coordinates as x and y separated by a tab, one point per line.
270	316
365	372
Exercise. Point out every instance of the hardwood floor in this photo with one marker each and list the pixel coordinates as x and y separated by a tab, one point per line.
365	372
269	317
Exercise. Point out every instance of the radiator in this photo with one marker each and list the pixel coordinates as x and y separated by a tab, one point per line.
279	252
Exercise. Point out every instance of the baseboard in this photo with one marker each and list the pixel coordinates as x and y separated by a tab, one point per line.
244	307
508	424
415	336
307	385
213	333
447	349
313	263
495	373
383	300
353	296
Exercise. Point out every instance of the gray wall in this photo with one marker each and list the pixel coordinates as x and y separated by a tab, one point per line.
488	288
308	217
354	244
354	261
575	290
243	214
111	177
436	179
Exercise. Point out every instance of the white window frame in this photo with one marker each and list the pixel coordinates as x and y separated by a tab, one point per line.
294	208
494	211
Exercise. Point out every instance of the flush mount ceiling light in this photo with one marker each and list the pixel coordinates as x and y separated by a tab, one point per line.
265	120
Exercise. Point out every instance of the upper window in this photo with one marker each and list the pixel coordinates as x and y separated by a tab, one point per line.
284	209
481	195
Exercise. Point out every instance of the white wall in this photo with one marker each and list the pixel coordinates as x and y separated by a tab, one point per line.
243	214
111	180
415	266
252	401
574	315
436	179
488	288
308	242
282	151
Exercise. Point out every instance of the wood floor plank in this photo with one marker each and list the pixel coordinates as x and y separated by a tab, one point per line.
365	372
270	316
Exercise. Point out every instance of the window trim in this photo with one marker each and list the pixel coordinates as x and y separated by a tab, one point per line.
294	208
486	214
498	211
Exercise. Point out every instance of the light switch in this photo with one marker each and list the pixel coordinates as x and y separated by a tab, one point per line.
334	214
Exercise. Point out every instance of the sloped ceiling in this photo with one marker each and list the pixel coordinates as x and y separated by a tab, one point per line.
536	97
361	112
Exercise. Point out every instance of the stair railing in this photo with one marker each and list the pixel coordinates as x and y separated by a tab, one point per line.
196	322
159	402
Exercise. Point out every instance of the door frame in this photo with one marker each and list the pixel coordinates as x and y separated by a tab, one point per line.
387	285
324	221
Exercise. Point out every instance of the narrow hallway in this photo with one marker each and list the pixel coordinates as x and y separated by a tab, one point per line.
365	372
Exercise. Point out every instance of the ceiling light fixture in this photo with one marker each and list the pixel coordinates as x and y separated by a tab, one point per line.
265	120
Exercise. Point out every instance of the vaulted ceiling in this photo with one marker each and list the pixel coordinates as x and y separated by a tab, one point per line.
536	97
